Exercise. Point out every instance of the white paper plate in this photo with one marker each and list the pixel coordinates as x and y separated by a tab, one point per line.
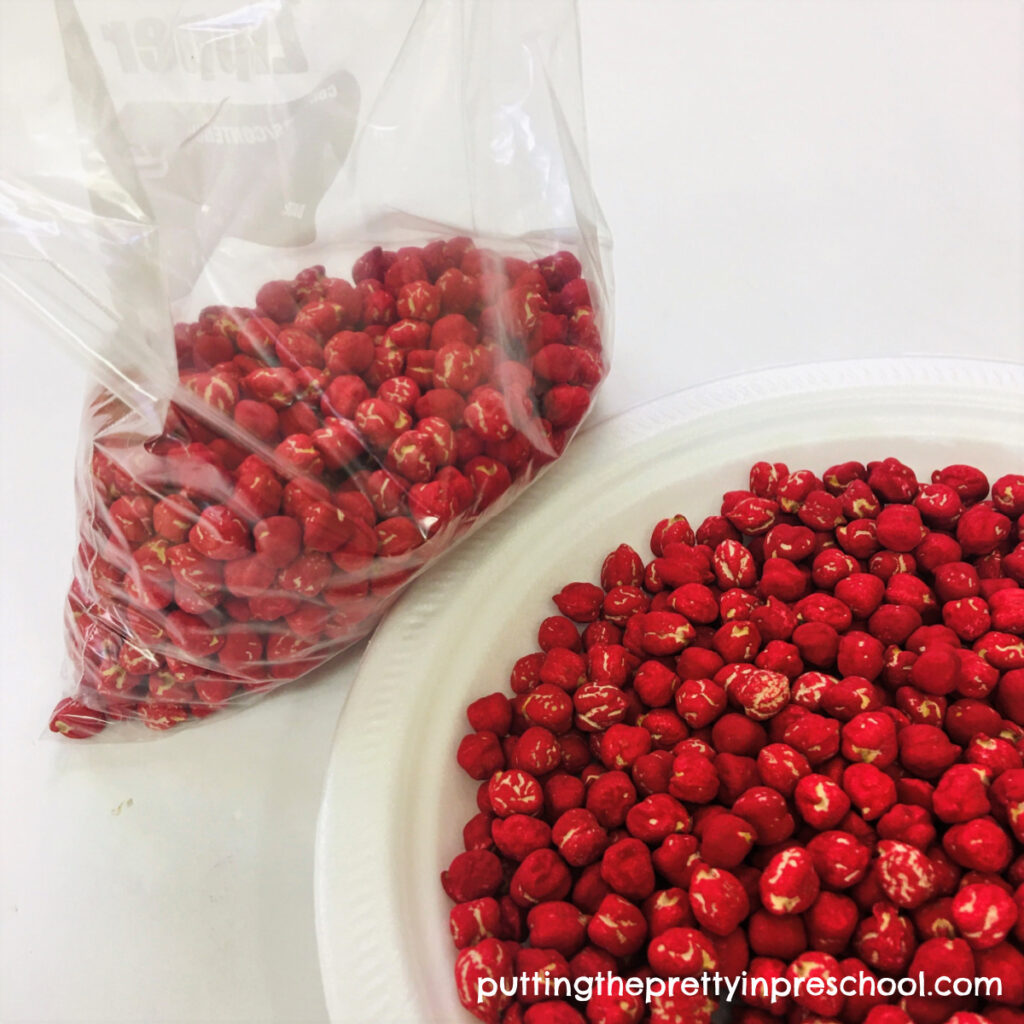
395	801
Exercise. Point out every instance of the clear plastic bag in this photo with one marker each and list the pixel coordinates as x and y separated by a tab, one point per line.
336	314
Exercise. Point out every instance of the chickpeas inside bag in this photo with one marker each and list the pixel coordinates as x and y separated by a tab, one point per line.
335	318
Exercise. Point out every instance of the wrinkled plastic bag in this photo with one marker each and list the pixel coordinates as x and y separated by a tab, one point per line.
343	285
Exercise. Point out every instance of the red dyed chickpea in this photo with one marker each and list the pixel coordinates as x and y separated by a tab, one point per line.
820	802
1006	964
490	959
899	527
617	926
767	812
926	751
789	884
518	835
774	936
473	921
870	790
493	713
681	953
906	875
823	968
559	926
480	755
579	837
781	767
908	824
627	868
979	845
622	745
514	792
885	939
472	875
694	779
981	529
609	798
699	702
726	841
542	876
656	817
839	859
717	899
984	915
962	794
761	694
547	705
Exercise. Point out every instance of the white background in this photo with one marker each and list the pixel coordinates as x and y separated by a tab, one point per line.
785	181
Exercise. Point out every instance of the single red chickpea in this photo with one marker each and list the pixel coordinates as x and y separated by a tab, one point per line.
761	694
900	528
559	926
906	875
765	981
621	745
1005	964
824	998
617	926
814	736
962	793
548	705
681	953
768	814
610	797
870	738
480	755
518	835
926	751
656	817
908	823
726	841
995	754
627	868
981	529
1008	494
473	921
870	790
655	684
820	802
773	936
472	875
885	939
738	735
694	779
579	837
789	884
652	772
515	792
598	706
934	920
733	565
979	845
541	876
717	899
667	908
840	859
491	960
608	663
663	633
984	915
934	959
851	696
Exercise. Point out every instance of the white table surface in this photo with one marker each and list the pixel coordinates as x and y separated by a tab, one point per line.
785	181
